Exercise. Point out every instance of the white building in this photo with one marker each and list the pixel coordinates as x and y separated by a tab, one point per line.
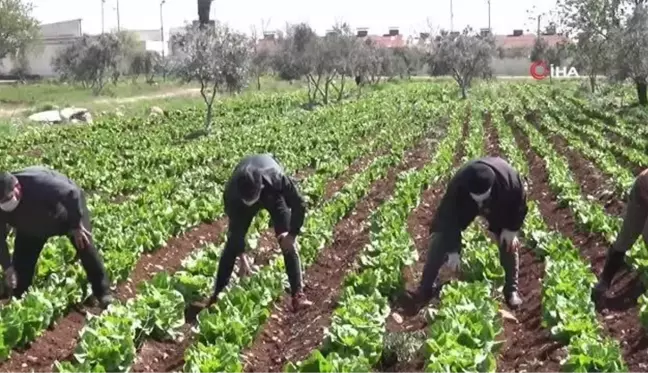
54	37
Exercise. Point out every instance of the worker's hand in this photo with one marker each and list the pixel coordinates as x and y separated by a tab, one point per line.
81	237
286	242
244	266
10	278
509	238
454	261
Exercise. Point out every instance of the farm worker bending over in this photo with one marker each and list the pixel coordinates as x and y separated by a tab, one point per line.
259	182
40	203
635	223
488	187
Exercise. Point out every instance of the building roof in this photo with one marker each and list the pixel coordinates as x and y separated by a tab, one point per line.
526	41
396	41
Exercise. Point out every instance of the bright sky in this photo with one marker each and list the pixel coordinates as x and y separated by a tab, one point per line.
411	16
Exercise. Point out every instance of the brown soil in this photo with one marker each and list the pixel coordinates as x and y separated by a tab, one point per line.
59	342
619	311
289	336
167	356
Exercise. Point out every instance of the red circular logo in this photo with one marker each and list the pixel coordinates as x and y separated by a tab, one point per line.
539	70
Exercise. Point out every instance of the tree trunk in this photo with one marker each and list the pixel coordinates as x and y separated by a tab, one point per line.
642	92
258	82
592	80
208	117
204	6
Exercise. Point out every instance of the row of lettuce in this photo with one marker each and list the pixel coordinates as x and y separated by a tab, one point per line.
354	340
197	198
231	324
592	216
567	309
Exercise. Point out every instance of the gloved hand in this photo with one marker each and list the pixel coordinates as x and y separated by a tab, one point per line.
10	278
453	261
509	238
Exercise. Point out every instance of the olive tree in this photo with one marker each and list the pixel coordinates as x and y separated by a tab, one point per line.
90	60
217	57
145	63
18	29
467	56
592	23
631	50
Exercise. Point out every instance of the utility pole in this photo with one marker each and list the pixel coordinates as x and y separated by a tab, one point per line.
103	3
162	37
451	17
489	17
118	23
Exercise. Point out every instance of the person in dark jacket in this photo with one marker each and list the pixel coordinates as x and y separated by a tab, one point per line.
258	181
635	224
488	187
39	203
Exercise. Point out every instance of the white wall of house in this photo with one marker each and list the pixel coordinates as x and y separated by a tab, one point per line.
55	36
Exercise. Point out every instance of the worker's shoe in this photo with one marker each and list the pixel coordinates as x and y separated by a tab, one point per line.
613	263
299	301
513	300
105	300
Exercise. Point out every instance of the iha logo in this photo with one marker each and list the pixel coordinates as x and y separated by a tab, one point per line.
540	70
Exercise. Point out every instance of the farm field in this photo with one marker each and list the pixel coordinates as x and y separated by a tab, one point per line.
373	170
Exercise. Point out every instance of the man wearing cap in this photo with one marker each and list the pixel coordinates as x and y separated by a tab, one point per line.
488	187
39	203
635	223
257	182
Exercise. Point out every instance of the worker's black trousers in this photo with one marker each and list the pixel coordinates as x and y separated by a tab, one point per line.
27	250
235	246
443	243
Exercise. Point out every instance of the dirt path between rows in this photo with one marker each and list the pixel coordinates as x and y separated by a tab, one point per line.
166	355
526	334
418	223
289	336
117	100
619	309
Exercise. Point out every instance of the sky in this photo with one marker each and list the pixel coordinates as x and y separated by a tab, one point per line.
410	16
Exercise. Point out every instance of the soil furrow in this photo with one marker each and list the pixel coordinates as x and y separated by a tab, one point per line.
418	223
619	309
592	180
289	336
525	333
166	356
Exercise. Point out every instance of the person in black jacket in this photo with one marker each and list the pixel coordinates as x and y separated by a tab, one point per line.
488	187
40	203
257	182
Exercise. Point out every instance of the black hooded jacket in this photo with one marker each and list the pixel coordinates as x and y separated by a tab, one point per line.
50	205
505	209
277	196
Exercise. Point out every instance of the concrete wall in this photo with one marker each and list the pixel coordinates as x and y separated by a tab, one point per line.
511	66
55	36
63	29
516	66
